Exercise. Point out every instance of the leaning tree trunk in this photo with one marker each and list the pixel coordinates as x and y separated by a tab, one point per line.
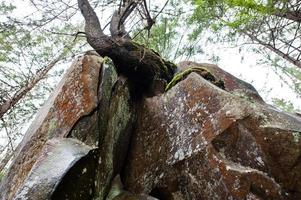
140	64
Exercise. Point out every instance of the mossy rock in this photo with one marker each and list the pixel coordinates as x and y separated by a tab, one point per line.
142	65
204	72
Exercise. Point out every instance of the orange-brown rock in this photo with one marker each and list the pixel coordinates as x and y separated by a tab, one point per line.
200	142
74	97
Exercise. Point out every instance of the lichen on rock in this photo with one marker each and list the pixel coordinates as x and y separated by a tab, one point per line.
199	142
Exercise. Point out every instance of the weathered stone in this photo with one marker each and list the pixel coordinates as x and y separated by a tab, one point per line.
115	141
75	97
109	79
78	181
86	129
200	142
231	83
60	157
89	128
117	192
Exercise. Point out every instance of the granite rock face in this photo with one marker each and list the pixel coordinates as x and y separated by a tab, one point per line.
115	140
74	97
66	165
200	142
95	138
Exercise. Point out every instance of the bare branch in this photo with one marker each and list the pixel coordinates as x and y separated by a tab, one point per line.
117	28
92	25
142	64
288	14
270	47
11	102
161	10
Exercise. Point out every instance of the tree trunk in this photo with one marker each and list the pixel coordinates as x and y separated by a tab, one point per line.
140	64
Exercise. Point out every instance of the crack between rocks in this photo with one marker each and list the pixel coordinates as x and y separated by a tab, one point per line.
80	119
135	107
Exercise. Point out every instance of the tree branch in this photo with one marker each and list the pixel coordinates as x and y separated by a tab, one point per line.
288	14
11	102
117	28
92	25
275	50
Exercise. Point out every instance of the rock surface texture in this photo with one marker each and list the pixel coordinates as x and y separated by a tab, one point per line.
74	97
96	139
200	142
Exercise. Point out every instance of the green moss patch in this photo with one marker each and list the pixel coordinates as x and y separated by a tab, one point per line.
205	73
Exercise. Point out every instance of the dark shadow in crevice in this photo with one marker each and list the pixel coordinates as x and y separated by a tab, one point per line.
226	142
237	144
135	107
75	184
259	192
161	193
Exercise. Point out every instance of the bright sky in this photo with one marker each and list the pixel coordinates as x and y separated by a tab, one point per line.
265	80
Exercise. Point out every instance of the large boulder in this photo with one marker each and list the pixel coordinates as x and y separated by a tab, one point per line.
67	165
78	142
74	97
198	141
115	140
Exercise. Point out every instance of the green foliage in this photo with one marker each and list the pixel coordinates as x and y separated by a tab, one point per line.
264	23
287	73
1	175
236	16
6	8
296	74
284	105
169	34
162	37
